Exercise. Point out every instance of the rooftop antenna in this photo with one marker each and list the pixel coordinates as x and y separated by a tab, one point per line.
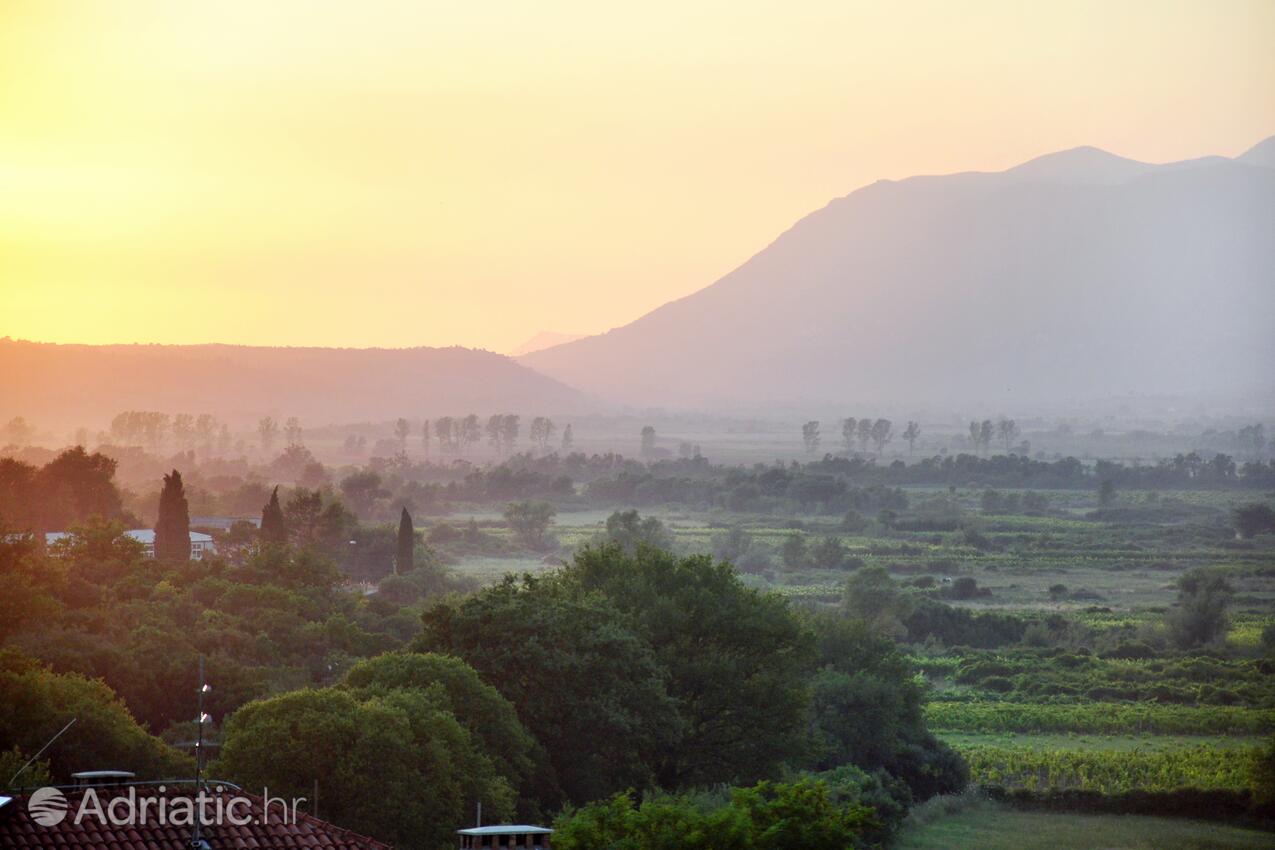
196	840
40	752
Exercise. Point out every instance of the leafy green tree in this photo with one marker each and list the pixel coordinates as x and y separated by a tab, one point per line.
810	436
469	431
489	717
304	517
397	766
568	439
542	431
17	431
1199	617
882	433
99	551
286	567
26	580
530	520
1007	430
509	425
183	430
912	433
493	429
865	433
172	528
39	702
659	821
828	554
1254	519
17	765
583	683
273	527
867	710
731	545
267	431
362	489
402	430
800	815
736	658
1253	437
849	427
647	449
874	598
71	488
404	554
793	551
445	429
292	431
1107	493
629	531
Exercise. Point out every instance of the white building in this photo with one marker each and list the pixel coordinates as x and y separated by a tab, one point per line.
200	544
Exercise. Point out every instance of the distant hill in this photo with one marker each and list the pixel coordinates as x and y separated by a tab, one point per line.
1077	275
86	384
543	340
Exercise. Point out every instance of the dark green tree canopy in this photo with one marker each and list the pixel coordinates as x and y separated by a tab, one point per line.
274	529
404	554
172	528
39	702
396	765
736	659
530	519
73	487
477	706
583	683
640	669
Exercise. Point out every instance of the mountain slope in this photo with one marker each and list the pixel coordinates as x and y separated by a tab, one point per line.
86	384
543	340
1077	275
1262	154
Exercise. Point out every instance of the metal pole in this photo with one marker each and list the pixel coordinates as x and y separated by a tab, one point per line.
199	761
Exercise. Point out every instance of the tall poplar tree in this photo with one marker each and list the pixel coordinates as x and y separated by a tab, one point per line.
406	544
172	529
273	527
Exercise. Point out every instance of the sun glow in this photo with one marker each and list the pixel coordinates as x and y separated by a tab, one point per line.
437	173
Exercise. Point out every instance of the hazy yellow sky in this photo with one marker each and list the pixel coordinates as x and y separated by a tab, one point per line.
429	173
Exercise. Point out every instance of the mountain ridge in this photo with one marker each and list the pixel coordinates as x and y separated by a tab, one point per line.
73	383
899	262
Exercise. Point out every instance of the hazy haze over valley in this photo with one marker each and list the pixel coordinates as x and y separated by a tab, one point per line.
77	383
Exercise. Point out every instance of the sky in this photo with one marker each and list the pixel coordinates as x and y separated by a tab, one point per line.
438	173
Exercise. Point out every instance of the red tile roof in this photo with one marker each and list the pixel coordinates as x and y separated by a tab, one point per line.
19	830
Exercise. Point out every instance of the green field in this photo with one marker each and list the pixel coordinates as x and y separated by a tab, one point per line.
988	826
1096	698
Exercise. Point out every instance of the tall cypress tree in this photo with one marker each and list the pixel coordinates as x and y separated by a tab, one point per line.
406	544
172	529
273	527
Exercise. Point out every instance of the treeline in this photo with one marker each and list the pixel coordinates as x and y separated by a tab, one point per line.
838	484
456	436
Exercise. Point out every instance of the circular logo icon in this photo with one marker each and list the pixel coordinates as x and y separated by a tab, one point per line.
47	806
